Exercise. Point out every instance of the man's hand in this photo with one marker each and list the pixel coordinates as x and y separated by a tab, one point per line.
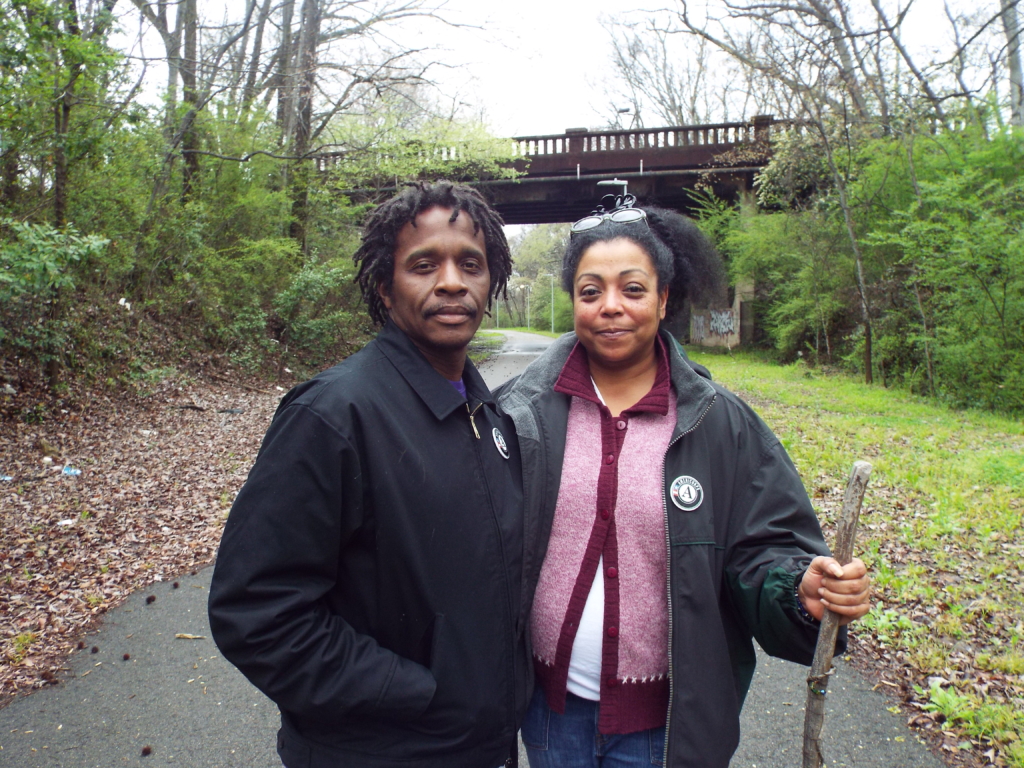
844	590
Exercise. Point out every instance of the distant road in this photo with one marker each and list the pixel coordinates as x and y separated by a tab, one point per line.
181	699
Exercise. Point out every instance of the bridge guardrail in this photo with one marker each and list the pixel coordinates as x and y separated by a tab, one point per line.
760	128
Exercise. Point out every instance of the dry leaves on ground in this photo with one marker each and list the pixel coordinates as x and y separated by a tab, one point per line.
158	476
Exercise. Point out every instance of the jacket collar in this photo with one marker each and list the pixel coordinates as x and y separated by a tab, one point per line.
434	390
694	392
575	380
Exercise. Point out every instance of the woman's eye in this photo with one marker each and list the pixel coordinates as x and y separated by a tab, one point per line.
634	288
588	293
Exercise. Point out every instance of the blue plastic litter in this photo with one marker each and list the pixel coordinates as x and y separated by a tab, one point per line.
71	471
5	478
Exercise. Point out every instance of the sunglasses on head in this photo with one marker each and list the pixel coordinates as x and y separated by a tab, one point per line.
615	208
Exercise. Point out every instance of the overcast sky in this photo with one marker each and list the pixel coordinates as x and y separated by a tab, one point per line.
541	66
534	66
531	67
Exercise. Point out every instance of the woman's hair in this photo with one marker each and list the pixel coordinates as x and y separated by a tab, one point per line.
684	258
376	254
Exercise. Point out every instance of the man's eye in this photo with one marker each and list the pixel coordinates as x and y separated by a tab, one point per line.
471	266
423	266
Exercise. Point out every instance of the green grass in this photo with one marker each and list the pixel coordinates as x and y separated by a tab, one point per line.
483	345
940	529
22	643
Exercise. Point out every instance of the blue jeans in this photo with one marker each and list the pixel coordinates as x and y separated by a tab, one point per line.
572	740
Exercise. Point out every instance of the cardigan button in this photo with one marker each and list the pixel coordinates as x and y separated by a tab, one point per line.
613	631
621	424
609	459
605	514
613	572
612	682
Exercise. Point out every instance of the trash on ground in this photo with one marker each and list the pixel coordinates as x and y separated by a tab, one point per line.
65	522
71	471
5	478
187	636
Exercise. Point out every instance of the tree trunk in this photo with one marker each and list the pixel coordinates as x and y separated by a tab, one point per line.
190	138
1011	25
844	203
308	37
285	73
61	114
249	92
62	103
173	44
11	171
865	308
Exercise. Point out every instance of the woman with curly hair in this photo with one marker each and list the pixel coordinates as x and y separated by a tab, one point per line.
669	526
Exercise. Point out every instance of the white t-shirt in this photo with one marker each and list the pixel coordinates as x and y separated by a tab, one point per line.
585	662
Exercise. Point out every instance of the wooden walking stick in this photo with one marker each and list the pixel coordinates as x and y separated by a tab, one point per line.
821	667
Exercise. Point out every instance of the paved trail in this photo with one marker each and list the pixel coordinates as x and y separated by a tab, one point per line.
191	708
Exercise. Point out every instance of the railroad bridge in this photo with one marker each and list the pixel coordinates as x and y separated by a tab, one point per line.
662	166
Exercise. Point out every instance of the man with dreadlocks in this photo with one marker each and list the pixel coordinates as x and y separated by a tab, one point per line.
369	580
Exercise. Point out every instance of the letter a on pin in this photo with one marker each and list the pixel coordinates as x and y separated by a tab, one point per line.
686	493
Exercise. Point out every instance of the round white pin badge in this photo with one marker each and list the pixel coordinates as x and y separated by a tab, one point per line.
686	493
499	442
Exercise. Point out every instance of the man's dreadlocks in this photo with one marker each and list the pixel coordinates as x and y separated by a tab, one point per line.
376	254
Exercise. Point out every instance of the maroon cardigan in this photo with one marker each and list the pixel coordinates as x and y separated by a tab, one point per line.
628	531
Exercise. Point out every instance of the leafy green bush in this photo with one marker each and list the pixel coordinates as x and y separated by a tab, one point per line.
35	259
939	220
36	263
320	314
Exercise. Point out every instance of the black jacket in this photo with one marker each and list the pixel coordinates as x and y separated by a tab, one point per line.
733	559
369	577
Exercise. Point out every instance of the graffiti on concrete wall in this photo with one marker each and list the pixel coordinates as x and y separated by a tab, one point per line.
723	322
697	332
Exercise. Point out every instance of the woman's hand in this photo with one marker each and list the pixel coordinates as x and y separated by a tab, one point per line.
844	590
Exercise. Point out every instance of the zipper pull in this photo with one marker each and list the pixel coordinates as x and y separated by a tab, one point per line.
471	421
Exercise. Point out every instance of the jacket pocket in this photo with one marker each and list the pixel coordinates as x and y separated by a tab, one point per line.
452	710
443	713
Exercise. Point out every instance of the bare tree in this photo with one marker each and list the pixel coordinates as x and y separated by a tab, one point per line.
156	14
190	141
675	90
810	47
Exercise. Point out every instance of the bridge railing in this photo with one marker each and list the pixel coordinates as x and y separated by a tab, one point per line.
761	128
574	142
